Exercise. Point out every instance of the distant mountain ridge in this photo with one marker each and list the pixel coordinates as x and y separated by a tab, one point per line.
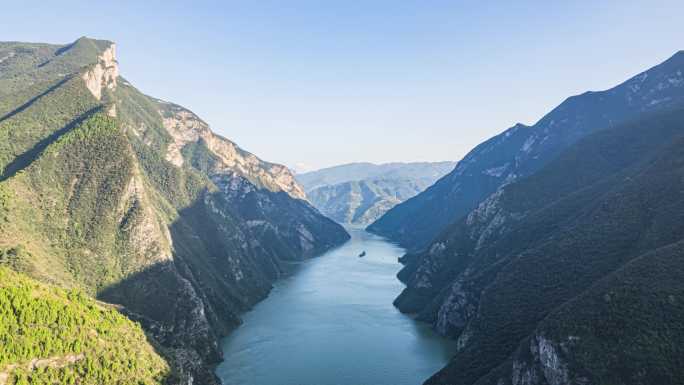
522	150
357	171
137	202
359	193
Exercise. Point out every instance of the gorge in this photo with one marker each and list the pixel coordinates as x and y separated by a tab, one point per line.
139	246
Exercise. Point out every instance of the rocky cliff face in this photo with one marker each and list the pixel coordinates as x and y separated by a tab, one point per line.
187	128
139	203
103	74
523	150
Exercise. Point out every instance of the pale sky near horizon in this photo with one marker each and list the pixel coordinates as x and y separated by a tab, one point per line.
321	83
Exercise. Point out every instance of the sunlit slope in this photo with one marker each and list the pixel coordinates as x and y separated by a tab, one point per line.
137	202
54	336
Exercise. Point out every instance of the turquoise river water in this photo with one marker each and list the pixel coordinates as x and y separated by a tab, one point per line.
332	322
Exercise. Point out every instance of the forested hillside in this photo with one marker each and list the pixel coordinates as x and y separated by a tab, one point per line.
568	276
135	201
54	336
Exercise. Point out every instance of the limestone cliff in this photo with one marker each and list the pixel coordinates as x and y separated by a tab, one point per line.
104	73
187	128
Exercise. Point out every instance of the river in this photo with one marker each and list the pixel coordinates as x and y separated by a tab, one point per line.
332	322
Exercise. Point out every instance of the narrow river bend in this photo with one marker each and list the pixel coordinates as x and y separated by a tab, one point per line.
332	323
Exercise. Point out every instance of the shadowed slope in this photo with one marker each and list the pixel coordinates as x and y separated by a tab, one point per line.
537	244
523	150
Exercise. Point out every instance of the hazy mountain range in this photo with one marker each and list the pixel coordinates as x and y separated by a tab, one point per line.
359	193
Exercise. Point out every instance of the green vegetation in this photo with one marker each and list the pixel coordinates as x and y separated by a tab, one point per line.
629	327
560	237
199	156
141	114
25	134
4	204
54	336
14	257
521	151
179	186
70	191
89	201
363	201
27	64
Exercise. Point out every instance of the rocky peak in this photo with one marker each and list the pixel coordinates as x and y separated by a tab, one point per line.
104	73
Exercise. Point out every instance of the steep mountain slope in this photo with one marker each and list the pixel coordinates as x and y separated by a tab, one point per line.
568	276
49	336
625	330
522	150
359	193
137	202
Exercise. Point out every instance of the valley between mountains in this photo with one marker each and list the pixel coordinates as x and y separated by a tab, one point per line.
133	240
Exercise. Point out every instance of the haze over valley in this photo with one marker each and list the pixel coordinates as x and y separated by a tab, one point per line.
359	193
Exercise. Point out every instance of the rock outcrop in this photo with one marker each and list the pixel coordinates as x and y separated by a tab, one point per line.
103	74
187	128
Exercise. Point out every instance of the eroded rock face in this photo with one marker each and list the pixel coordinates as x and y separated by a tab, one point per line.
487	220
104	74
145	233
269	214
542	364
554	368
456	311
185	128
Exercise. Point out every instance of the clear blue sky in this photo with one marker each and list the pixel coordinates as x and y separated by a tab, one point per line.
328	82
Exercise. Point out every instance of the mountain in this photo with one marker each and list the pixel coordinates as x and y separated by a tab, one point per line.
135	201
571	275
362	202
359	193
522	150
